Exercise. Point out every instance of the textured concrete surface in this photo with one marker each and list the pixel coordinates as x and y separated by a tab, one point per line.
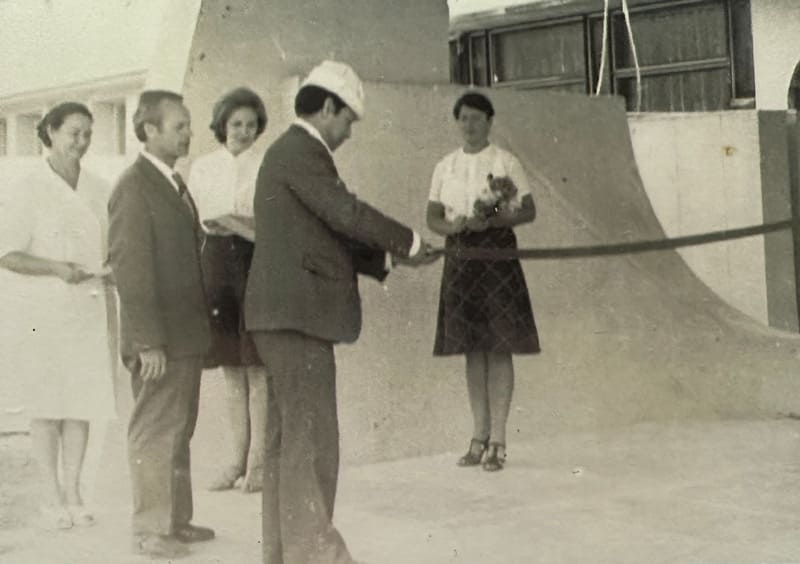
706	492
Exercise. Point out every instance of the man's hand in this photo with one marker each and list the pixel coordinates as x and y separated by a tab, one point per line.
426	255
154	364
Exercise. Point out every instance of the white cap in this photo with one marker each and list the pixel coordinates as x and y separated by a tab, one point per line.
339	79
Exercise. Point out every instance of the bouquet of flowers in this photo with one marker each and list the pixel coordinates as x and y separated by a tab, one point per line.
500	196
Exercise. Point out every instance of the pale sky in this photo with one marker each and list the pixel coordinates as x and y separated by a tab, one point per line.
460	7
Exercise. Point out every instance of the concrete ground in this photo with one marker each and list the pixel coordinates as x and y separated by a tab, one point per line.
724	492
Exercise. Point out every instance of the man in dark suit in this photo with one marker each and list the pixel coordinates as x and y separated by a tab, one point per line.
313	237
154	238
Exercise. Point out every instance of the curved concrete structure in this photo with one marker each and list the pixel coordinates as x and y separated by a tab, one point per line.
624	339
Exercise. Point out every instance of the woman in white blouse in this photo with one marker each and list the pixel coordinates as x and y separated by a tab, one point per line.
223	182
52	251
484	308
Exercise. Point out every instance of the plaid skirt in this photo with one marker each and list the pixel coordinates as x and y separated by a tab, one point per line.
226	263
484	305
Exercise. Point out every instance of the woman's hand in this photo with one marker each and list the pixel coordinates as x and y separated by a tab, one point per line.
439	223
72	273
477	224
213	228
458	224
503	218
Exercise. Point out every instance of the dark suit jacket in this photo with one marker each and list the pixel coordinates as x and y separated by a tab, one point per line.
153	248
312	239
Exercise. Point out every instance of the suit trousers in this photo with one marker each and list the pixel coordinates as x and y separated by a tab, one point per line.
302	450
161	426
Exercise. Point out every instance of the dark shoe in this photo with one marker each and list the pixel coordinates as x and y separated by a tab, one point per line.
495	457
192	533
474	454
158	546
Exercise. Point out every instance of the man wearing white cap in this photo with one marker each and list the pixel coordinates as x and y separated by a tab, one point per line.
313	237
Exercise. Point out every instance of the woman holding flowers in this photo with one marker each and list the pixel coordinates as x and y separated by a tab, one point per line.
478	194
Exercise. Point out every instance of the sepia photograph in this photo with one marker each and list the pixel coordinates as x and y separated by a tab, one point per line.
400	281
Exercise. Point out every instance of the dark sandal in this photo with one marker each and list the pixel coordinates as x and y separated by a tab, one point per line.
475	453
493	461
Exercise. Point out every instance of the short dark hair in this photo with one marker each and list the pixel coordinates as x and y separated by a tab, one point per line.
55	119
149	110
474	100
229	103
310	99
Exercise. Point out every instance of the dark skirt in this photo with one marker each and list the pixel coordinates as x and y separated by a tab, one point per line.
226	262
484	305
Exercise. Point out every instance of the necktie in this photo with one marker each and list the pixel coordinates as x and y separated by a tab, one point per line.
183	191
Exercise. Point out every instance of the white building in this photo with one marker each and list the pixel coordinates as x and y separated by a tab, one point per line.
716	80
100	53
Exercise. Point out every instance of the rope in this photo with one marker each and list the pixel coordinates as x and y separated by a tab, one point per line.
604	50
616	248
627	14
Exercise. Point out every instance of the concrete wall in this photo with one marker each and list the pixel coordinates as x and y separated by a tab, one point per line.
702	173
776	50
267	44
167	67
776	197
624	339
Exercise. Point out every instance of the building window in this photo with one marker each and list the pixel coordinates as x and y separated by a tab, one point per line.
469	60
479	60
694	55
459	64
3	138
27	140
560	61
685	56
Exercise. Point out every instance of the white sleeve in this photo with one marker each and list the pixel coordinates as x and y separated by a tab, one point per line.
17	216
435	194
198	184
518	176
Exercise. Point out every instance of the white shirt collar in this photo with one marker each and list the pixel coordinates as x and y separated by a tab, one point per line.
162	167
314	132
245	156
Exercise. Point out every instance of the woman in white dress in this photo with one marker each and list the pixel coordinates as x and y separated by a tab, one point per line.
52	252
223	183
